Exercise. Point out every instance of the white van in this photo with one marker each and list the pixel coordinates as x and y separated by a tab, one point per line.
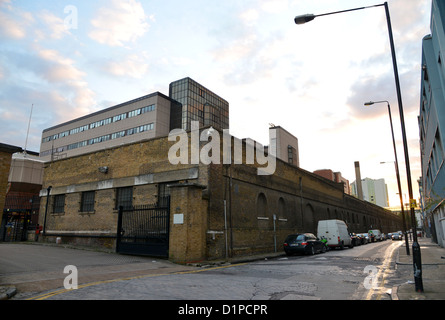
336	232
375	235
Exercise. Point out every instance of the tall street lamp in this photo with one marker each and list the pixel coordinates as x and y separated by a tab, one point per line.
417	260
370	103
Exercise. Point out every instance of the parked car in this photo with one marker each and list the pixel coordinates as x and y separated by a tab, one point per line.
361	238
356	241
375	234
336	233
306	243
396	236
365	237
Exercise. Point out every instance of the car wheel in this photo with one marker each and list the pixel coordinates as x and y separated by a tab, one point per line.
312	251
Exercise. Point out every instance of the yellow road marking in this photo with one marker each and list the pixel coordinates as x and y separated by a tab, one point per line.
383	271
61	291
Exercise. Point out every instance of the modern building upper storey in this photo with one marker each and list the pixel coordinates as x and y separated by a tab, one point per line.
432	109
374	191
147	117
142	118
284	145
198	104
432	123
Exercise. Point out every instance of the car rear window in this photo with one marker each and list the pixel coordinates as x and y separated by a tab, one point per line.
295	237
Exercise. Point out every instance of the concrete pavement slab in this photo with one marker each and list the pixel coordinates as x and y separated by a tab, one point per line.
433	272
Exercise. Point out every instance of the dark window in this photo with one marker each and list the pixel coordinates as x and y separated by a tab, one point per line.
291	238
261	205
59	203
163	194
124	197
87	203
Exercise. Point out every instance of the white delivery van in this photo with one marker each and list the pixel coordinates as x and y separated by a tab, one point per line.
375	235
336	232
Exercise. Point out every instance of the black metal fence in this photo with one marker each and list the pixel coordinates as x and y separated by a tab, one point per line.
14	226
20	215
144	230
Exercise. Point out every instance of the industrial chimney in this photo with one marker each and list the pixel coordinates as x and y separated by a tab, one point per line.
358	180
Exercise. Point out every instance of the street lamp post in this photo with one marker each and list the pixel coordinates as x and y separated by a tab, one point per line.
417	261
397	172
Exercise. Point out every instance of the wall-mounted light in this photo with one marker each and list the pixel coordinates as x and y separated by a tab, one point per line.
103	169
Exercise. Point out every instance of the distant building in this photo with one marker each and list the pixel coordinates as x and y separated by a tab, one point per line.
147	117
20	209
198	104
336	177
432	123
285	144
374	191
142	118
6	152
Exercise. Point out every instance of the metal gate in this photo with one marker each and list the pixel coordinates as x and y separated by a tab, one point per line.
144	230
15	227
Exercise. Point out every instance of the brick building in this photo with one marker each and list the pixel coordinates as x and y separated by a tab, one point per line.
6	152
334	176
215	210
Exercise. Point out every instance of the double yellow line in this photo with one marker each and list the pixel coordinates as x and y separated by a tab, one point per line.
383	272
61	291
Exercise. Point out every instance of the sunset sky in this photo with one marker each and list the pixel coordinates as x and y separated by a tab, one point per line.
71	58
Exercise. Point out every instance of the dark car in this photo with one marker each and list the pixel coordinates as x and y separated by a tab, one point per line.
356	241
396	236
305	243
360	239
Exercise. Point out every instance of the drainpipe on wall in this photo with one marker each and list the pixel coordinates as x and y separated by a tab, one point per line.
301	201
46	209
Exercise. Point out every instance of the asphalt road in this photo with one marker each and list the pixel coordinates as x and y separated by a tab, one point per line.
36	268
347	274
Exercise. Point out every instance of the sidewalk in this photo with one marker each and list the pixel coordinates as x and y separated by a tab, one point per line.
433	272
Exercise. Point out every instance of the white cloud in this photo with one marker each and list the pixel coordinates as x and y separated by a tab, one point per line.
61	68
133	66
275	6
64	75
13	21
119	22
249	17
55	24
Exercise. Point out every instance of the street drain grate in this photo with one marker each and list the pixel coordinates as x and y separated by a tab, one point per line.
363	259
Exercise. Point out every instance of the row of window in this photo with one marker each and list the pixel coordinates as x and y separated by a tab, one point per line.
124	198
100	123
348	217
435	160
112	136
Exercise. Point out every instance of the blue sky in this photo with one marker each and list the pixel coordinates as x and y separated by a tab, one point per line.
70	58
